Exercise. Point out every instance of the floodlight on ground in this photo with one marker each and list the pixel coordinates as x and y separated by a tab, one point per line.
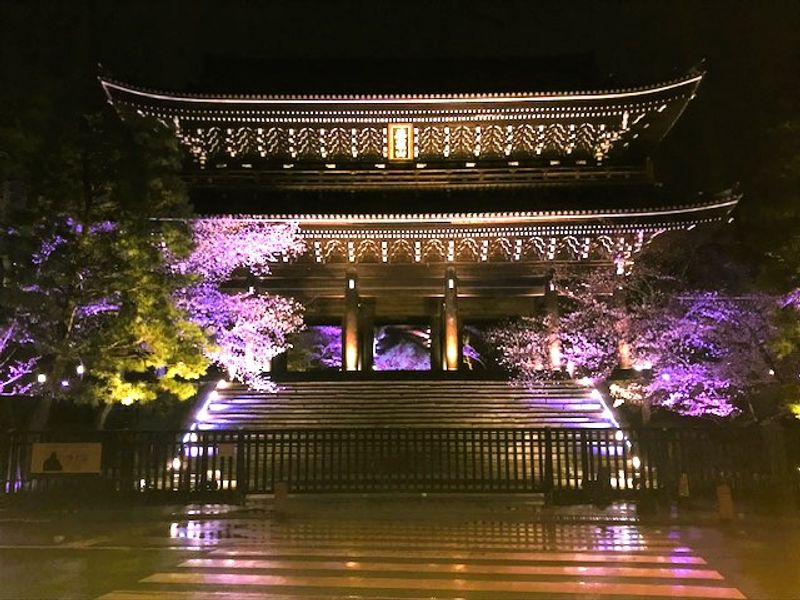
41	378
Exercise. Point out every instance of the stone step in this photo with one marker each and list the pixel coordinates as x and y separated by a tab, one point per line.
407	404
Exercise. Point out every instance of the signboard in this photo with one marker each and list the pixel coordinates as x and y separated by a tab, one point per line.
66	458
401	141
226	450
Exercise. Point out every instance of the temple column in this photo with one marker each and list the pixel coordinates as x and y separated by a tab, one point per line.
551	310
435	313
452	334
351	343
279	364
367	332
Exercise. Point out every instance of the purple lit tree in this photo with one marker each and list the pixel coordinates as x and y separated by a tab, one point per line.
523	348
17	364
708	354
248	329
316	347
588	332
402	348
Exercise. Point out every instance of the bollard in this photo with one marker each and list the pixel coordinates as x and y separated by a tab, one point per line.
724	502
281	496
683	490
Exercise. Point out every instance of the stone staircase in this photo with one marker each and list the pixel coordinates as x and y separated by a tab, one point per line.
403	404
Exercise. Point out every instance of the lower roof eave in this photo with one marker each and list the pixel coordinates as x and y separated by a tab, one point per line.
698	213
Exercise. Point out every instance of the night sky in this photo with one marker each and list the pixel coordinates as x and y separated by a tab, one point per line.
751	52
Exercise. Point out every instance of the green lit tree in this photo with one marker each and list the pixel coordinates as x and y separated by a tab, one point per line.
85	281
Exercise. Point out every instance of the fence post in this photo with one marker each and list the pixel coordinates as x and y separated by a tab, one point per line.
6	453
586	482
242	472
774	451
548	461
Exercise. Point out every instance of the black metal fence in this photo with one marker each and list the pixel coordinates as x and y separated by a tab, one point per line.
617	463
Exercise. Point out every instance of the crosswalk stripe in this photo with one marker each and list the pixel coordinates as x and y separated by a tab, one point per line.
449	585
239	595
455	568
360	554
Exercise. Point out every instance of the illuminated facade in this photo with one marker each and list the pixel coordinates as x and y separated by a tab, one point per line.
432	212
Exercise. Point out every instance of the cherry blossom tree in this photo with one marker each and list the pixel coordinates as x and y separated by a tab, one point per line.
522	347
709	353
588	332
705	353
248	329
17	363
316	347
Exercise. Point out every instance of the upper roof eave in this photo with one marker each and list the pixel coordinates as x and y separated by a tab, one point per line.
112	87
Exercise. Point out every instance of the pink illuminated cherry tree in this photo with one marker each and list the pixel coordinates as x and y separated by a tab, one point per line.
17	363
707	353
248	329
588	331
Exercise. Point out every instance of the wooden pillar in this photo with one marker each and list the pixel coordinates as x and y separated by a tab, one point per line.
435	313
367	332
452	331
279	364
351	343
551	308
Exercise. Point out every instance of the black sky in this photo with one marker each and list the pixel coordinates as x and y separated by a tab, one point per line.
751	49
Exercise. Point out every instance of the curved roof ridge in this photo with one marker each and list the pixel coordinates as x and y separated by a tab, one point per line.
692	76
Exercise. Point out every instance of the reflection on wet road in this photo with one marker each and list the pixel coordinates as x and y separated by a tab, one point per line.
247	558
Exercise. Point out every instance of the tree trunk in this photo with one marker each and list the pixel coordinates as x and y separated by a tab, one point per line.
41	414
646	411
102	416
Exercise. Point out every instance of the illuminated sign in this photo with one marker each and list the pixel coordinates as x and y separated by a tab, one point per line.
401	141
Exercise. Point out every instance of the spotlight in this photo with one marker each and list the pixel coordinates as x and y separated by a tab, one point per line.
41	378
80	369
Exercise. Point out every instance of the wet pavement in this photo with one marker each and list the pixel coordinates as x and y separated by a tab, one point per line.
370	548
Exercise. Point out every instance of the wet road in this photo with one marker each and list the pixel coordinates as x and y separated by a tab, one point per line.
365	549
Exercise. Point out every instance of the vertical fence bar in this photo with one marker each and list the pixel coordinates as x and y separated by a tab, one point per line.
448	459
548	460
